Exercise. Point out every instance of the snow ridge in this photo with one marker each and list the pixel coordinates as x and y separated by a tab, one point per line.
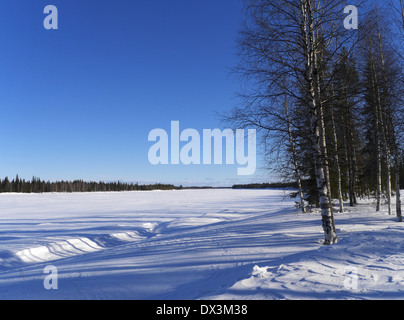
71	247
194	244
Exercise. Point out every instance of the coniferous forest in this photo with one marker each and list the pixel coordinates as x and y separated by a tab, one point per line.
36	185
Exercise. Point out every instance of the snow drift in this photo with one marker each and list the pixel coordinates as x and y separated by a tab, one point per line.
193	244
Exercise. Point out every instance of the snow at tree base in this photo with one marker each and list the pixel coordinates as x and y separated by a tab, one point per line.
194	244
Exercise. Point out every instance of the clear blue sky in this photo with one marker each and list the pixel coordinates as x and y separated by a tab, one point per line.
80	101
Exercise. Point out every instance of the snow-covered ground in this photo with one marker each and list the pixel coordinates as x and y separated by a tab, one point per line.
193	244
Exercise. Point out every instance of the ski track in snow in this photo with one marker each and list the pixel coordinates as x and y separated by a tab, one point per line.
193	244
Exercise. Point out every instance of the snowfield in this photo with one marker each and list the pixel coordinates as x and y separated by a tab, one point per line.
194	244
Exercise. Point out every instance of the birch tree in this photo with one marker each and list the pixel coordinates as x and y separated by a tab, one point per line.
345	107
383	78
294	42
294	158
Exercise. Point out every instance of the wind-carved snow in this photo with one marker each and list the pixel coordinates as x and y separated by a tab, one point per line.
58	250
194	244
72	247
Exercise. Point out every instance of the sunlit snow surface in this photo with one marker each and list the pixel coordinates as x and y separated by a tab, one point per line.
194	244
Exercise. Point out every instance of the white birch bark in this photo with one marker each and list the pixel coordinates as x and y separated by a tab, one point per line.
390	141
317	124
294	159
381	137
377	134
397	187
337	167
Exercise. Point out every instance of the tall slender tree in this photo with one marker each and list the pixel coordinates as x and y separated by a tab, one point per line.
383	96
294	42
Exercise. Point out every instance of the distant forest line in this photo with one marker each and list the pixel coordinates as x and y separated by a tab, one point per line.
36	185
276	185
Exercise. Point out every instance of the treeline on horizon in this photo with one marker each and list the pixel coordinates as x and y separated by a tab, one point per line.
36	185
275	185
294	185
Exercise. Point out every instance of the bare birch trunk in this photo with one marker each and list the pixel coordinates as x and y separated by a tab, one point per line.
378	169
354	174
386	150
323	144
317	124
388	167
390	142
350	155
397	187
321	181
340	199
349	176
294	158
352	160
388	171
378	135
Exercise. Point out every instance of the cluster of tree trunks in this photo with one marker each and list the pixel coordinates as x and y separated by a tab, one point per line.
329	99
